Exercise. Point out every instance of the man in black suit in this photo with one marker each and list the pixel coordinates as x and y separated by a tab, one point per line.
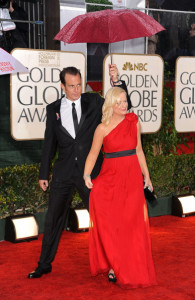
71	122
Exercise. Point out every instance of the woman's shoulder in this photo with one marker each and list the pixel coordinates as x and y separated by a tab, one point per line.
132	117
101	128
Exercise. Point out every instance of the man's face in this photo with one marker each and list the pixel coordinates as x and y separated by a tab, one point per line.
72	87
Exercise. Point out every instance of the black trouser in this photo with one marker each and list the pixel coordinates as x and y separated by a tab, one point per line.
59	202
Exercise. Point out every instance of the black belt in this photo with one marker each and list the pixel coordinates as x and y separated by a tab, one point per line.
120	153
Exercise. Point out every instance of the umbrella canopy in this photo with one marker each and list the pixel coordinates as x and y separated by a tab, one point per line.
9	64
108	26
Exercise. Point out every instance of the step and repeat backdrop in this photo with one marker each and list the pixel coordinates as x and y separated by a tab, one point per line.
185	94
143	75
32	91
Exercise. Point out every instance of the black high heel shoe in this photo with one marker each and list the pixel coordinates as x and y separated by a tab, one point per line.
111	277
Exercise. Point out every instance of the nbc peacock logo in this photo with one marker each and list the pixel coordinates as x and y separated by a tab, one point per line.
128	66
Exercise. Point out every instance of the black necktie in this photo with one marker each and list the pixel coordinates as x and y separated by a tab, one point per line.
75	119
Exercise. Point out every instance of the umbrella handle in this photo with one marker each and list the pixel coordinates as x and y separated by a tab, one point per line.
111	61
110	52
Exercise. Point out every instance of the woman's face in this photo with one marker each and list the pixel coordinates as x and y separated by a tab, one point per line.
120	108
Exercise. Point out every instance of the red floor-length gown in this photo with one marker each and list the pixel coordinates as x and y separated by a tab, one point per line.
119	230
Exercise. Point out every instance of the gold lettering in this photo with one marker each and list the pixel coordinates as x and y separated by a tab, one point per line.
133	67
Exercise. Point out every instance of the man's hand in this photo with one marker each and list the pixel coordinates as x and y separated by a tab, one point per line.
113	72
43	184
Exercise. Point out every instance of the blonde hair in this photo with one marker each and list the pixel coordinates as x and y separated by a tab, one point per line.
112	97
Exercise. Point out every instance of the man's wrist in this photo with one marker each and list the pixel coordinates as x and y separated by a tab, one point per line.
117	83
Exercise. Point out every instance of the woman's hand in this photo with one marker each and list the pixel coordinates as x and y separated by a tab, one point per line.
147	182
88	182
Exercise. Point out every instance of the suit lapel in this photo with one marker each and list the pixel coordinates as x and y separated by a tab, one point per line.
58	118
84	108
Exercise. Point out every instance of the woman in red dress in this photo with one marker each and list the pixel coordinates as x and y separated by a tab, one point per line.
119	240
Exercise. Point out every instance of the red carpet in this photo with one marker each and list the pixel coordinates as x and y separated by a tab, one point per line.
173	244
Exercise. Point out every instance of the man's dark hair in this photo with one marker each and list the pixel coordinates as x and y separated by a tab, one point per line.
69	70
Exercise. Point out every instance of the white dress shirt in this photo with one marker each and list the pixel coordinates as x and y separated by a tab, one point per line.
66	114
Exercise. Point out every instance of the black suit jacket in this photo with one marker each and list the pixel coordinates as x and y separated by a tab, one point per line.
71	150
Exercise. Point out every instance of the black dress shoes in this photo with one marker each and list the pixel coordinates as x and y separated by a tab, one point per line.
38	273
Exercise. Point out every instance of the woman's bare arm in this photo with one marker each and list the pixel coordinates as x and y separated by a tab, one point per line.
93	154
142	159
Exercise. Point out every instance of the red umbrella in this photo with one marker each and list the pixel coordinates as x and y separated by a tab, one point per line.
108	26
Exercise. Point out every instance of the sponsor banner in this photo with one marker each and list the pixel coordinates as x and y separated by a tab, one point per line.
143	75
185	94
31	92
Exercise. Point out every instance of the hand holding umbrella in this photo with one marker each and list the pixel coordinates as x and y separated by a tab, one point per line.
113	72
